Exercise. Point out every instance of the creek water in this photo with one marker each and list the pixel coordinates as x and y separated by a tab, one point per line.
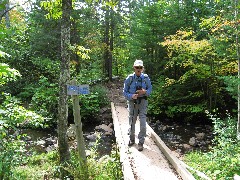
36	139
175	134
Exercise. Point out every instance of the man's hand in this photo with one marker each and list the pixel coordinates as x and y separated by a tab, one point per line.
141	92
134	96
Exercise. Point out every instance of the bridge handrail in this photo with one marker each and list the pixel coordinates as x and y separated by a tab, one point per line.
182	171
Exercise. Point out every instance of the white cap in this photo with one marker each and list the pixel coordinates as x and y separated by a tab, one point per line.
138	63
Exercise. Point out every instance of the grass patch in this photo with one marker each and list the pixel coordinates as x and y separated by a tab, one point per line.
45	166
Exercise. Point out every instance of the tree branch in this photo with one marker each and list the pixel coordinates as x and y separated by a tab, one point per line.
7	10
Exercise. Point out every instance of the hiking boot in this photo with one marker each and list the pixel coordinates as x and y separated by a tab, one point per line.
140	146
131	142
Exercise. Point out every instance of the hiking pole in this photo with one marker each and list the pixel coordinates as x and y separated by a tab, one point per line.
134	103
134	106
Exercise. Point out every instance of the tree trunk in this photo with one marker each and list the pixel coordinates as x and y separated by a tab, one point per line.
63	80
106	41
7	15
111	46
238	57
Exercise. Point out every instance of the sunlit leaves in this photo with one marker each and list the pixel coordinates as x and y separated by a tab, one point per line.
186	53
112	4
3	54
191	69
53	7
16	115
81	51
7	74
222	33
169	82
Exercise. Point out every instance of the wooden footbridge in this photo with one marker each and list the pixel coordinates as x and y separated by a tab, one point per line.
155	162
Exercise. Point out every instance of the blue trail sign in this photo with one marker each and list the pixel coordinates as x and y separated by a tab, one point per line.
77	89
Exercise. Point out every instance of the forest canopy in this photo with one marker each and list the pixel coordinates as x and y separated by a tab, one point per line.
190	51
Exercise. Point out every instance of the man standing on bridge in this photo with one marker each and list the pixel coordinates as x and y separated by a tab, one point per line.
137	87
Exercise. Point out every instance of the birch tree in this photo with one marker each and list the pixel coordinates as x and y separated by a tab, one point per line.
63	80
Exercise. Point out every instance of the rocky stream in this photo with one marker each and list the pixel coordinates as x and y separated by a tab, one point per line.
179	136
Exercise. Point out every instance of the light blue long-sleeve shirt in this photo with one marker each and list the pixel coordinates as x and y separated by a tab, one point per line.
130	87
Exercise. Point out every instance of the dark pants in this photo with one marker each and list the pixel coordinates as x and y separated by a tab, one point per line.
137	108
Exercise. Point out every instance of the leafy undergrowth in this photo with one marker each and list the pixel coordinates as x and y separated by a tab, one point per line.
223	161
45	166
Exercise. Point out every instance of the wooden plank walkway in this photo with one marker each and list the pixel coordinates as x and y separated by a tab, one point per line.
155	162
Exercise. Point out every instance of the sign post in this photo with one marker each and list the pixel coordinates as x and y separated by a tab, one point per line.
74	90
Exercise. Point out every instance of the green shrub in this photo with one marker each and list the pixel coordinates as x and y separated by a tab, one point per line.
15	115
12	152
173	99
107	167
39	166
91	103
6	73
46	166
101	93
223	161
45	99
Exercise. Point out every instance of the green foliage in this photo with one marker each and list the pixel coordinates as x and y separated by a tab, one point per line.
81	51
12	113
7	74
222	32
89	73
46	67
157	99
222	162
54	8
224	131
3	54
106	167
12	152
121	65
232	83
45	98
172	99
152	22
46	166
91	103
15	115
190	84
39	166
102	92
